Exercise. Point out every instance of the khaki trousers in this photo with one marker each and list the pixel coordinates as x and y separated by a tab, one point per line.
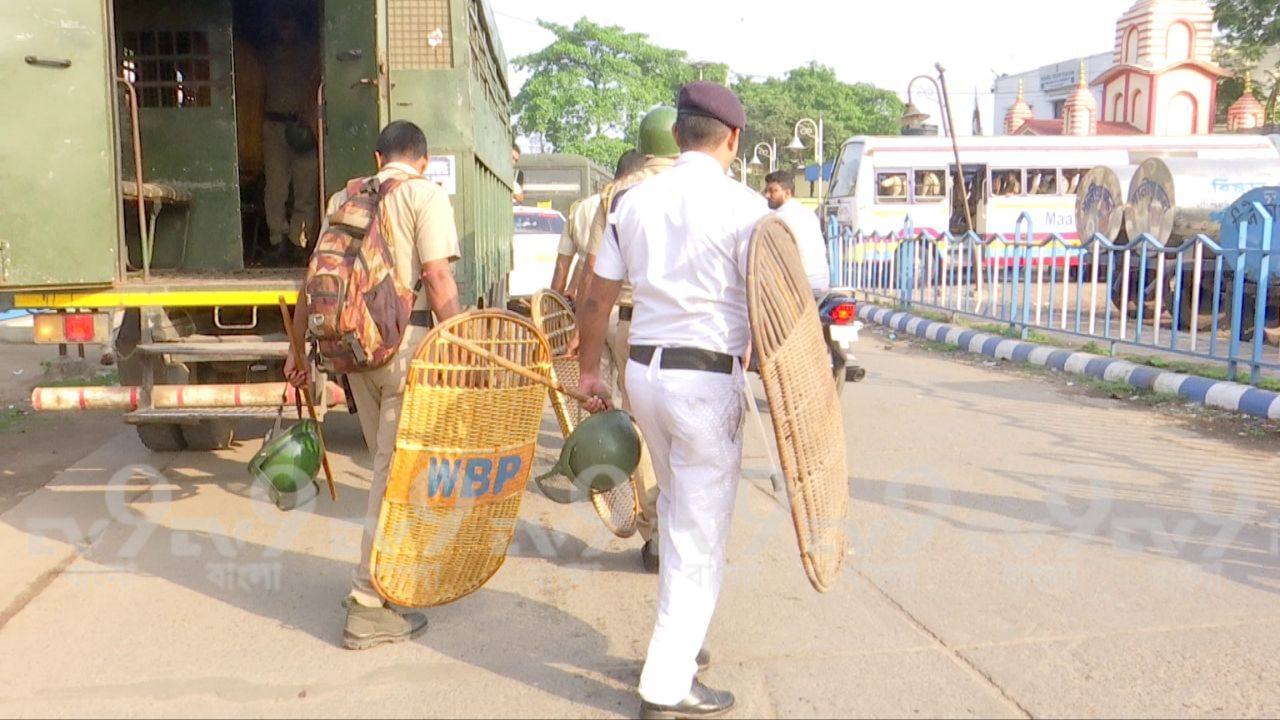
644	479
379	395
284	168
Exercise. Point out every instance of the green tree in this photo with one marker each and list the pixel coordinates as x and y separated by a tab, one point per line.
1250	31
847	109
1249	26
589	89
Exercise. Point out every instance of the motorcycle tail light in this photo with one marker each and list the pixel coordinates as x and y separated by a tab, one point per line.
844	313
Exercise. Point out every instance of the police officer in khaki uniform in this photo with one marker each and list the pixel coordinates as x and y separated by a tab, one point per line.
658	146
682	240
573	243
424	242
576	240
290	160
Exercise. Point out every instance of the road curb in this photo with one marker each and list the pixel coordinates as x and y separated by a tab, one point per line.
1232	396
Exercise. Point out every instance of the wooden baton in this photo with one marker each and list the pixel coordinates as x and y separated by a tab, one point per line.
475	349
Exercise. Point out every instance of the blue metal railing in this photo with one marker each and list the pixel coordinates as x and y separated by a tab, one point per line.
1207	299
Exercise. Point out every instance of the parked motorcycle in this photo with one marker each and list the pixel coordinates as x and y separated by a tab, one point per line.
838	311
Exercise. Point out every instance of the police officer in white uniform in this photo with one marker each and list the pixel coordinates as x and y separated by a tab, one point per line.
681	239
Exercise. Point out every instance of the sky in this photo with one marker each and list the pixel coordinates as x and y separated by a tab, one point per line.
885	43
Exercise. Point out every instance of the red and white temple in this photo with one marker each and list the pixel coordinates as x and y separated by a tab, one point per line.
1163	81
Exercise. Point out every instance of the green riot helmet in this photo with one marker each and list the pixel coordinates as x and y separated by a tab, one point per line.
288	464
656	139
600	454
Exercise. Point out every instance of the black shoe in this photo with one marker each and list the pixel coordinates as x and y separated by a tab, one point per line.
704	659
702	702
299	255
278	255
649	556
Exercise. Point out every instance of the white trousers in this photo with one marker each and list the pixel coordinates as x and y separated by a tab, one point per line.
692	423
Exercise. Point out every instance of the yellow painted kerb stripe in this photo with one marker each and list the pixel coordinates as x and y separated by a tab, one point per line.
166	298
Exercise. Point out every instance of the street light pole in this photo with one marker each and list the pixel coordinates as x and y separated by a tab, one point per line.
816	128
955	148
946	124
769	150
820	143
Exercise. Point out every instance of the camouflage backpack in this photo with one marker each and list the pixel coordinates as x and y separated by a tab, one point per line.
357	308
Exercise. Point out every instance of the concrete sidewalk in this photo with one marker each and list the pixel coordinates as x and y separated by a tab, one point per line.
15	326
1017	552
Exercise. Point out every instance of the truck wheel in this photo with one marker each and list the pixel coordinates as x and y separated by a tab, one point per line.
1271	323
1149	298
209	435
162	437
1204	319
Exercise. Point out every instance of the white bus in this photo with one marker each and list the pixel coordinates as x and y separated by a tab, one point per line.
879	182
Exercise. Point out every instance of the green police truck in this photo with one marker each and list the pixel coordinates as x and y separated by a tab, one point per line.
558	180
134	175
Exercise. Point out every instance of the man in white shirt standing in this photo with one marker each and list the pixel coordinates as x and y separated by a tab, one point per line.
681	239
780	191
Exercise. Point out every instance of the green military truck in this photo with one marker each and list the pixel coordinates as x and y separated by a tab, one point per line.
133	170
558	180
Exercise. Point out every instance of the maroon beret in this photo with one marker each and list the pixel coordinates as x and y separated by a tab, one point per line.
713	100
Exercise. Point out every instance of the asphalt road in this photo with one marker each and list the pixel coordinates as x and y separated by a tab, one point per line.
1017	551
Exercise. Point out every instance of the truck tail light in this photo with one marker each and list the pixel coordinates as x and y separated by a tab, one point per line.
79	328
843	313
48	328
70	327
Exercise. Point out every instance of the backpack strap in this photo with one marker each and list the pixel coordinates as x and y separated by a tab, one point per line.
356	185
613	210
384	190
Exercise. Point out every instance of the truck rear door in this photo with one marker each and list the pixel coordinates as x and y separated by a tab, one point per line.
354	81
59	225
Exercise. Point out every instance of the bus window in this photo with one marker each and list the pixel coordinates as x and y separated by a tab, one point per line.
1071	180
1005	183
1042	181
845	178
891	187
930	186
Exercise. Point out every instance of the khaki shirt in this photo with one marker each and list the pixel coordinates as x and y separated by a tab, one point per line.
577	228
420	216
652	166
290	73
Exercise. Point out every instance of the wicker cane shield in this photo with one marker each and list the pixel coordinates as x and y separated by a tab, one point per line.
619	506
796	373
464	449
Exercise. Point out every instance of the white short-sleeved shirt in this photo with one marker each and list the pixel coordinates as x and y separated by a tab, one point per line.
813	246
681	239
577	231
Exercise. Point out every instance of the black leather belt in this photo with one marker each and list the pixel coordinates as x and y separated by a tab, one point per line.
624	313
281	117
684	358
420	318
